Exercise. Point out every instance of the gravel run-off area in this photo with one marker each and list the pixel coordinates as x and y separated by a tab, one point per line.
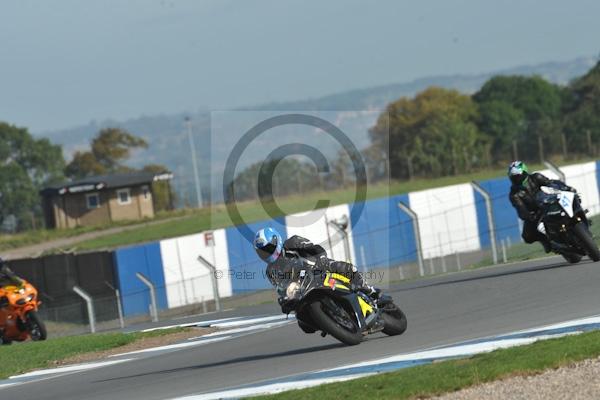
577	381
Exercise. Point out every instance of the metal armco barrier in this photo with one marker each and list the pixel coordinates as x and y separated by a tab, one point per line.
213	279
490	218
90	307
415	220
153	305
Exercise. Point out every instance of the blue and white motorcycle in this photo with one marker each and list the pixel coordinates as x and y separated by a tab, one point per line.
565	223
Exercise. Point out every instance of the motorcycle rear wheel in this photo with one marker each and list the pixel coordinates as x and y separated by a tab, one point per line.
330	326
585	237
37	329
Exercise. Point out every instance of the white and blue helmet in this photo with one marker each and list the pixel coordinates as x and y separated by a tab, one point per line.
268	244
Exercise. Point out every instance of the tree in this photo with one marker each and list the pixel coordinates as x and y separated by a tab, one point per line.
26	165
285	177
162	193
108	150
582	112
521	108
433	134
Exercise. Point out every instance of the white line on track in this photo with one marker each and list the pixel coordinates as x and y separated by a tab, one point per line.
173	346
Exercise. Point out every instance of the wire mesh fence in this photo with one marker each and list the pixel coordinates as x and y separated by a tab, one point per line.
454	235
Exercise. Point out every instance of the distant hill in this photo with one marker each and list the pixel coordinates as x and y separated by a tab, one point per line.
167	138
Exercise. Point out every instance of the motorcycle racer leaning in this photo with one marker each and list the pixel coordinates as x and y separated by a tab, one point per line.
522	196
286	259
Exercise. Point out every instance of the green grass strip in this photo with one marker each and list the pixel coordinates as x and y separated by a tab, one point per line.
448	376
19	358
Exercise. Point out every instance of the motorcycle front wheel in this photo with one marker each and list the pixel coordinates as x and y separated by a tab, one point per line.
37	329
336	321
587	242
394	320
571	258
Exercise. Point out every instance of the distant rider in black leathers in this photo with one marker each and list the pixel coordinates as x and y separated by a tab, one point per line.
523	193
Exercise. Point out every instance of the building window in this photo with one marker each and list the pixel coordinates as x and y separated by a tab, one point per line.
146	192
92	200
123	196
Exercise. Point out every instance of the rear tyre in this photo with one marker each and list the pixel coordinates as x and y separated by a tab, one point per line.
348	334
587	242
394	320
37	329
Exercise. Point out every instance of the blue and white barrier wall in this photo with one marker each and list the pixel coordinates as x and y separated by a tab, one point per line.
187	281
452	219
147	260
447	219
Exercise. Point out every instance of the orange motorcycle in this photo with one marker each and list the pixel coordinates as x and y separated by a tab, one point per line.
19	319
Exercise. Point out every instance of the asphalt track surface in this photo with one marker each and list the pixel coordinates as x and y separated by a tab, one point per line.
440	310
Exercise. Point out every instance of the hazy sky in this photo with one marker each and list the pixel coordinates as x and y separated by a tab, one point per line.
64	63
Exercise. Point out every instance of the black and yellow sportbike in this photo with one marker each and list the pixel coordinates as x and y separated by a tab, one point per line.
328	302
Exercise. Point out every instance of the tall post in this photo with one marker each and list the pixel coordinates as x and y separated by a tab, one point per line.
541	147
90	307
153	305
554	168
341	225
213	279
188	123
119	306
490	218
415	220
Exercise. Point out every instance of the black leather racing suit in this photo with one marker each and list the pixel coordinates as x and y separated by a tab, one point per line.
523	199
300	253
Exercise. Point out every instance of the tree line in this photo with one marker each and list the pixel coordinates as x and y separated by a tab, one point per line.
443	132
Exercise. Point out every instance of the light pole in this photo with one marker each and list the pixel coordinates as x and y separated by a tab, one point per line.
188	123
341	225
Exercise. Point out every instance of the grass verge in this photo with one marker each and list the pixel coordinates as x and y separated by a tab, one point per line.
438	378
22	357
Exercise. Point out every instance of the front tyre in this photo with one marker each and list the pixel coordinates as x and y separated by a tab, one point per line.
587	242
336	322
572	258
37	329
395	322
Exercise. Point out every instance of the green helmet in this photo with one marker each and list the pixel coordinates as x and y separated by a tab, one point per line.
518	172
